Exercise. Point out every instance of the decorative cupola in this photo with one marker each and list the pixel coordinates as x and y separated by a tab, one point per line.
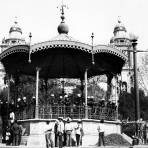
15	37
120	35
63	28
119	28
15	31
121	40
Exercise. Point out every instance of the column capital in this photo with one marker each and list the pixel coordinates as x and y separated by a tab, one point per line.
38	68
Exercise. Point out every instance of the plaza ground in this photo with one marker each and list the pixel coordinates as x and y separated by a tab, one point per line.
22	146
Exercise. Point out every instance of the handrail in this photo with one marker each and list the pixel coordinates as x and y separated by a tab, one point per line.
74	112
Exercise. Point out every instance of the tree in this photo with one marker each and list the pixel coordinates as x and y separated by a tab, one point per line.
127	104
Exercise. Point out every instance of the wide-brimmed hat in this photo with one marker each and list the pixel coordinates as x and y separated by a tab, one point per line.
79	121
68	119
60	118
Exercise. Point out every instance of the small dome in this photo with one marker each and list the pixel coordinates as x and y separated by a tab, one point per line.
119	27
120	33
15	28
63	28
15	31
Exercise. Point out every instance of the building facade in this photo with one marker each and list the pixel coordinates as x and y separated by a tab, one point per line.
15	37
121	39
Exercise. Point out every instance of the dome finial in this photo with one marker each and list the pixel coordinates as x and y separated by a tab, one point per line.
63	28
62	11
15	20
92	39
62	8
119	19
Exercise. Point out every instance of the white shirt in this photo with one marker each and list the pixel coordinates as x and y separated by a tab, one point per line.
12	117
100	129
68	127
49	128
7	135
61	127
78	129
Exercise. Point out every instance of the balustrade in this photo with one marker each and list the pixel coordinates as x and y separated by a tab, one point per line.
75	112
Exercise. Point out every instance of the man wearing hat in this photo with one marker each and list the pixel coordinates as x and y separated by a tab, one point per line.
56	132
101	133
68	129
60	130
79	132
48	135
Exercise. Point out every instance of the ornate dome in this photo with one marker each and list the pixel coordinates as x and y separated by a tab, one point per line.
63	28
15	31
119	27
120	33
15	28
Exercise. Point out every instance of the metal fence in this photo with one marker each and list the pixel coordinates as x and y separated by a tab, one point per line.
74	112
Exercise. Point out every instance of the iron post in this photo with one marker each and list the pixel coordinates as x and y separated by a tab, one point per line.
136	89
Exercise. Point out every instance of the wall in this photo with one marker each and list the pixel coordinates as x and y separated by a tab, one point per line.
36	129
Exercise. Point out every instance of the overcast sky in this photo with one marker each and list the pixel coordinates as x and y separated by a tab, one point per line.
41	17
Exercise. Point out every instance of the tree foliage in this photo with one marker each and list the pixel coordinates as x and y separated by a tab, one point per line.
127	105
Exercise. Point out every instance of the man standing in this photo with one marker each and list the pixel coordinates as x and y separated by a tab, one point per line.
101	134
79	132
68	129
56	133
48	135
20	133
60	131
15	131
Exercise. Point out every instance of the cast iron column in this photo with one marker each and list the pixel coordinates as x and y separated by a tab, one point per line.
136	90
86	107
8	95
37	94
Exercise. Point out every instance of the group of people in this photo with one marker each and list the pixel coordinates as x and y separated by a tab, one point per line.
13	131
65	133
142	131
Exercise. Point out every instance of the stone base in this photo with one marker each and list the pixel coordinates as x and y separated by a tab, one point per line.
89	140
35	130
36	140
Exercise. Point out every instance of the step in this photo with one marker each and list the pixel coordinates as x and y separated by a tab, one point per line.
22	146
24	140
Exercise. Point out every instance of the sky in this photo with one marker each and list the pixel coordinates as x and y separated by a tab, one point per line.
41	18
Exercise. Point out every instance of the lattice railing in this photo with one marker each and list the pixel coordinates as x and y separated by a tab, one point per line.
53	112
75	112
